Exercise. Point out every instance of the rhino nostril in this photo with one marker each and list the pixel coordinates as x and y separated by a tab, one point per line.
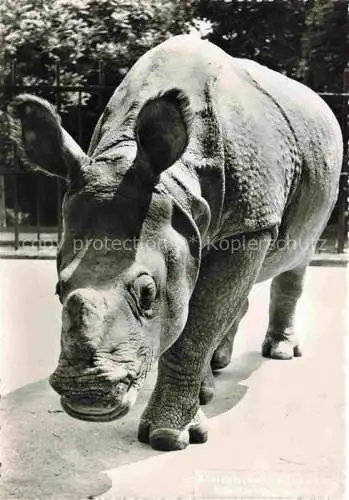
76	305
85	300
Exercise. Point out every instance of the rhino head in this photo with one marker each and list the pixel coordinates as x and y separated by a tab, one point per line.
125	267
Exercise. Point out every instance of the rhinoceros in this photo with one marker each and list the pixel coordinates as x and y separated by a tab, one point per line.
205	175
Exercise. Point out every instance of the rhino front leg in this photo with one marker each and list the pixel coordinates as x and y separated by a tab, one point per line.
222	355
207	388
280	341
172	418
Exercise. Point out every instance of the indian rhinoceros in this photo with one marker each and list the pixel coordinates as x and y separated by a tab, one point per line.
205	174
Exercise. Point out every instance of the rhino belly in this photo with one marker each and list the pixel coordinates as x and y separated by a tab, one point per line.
300	230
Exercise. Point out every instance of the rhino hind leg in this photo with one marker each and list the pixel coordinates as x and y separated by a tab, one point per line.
222	355
280	341
207	388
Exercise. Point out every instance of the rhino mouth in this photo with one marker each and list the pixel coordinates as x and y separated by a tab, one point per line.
94	396
97	406
98	411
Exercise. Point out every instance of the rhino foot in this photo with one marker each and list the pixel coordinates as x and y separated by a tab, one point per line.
165	439
278	346
222	355
207	388
221	358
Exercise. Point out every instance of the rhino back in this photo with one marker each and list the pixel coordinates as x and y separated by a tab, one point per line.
279	138
178	62
258	137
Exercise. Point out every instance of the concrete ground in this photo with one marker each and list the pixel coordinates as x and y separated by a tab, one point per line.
276	427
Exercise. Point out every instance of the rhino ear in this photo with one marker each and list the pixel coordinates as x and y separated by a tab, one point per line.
162	131
36	128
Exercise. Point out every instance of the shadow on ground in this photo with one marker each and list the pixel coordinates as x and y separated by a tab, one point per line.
46	453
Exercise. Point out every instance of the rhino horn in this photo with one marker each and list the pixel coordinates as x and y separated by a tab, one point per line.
69	270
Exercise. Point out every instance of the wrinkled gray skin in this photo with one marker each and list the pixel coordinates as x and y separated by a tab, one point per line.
224	173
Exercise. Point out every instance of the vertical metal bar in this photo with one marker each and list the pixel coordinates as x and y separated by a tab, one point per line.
346	166
340	200
346	139
15	157
38	209
80	135
59	208
58	87
101	81
342	222
2	202
341	215
59	182
16	223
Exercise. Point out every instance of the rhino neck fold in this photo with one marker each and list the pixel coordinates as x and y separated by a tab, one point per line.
184	188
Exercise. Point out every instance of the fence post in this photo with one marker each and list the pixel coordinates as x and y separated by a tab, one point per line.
15	154
344	178
59	181
2	202
101	83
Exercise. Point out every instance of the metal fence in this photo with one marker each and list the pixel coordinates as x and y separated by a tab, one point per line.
32	202
339	221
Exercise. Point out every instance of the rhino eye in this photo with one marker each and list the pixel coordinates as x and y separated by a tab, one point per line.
145	290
